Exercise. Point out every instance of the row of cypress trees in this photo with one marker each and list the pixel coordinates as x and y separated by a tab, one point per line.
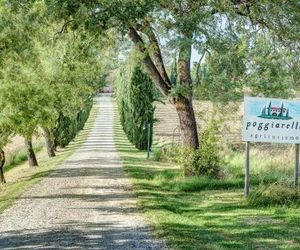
135	94
67	128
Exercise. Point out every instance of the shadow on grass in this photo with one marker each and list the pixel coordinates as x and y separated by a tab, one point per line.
204	213
231	236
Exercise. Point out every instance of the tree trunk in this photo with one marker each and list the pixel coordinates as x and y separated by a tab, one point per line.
183	104
49	142
188	125
32	161
2	161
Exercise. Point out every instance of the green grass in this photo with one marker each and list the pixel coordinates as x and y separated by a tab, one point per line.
265	163
200	213
21	177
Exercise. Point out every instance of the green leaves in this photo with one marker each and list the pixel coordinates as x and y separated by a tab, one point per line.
223	73
179	90
254	62
43	74
5	133
66	128
24	102
272	69
135	97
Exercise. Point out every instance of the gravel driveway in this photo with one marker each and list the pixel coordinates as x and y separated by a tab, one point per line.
83	204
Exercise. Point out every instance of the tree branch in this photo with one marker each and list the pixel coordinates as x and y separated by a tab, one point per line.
199	66
148	63
155	50
64	29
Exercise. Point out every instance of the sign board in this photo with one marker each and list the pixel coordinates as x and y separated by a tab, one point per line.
271	120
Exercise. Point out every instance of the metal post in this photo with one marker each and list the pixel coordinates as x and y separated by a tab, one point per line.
76	127
296	171
149	138
247	169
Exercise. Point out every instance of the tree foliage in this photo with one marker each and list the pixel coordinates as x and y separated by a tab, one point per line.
67	128
46	72
24	102
135	97
183	24
256	64
51	59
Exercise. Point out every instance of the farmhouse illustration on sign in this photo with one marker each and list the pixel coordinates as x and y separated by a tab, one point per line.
272	112
272	109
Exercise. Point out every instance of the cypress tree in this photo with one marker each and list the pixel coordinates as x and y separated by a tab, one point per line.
135	96
67	128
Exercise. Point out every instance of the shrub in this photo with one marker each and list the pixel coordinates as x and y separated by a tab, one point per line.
199	162
205	160
157	154
278	193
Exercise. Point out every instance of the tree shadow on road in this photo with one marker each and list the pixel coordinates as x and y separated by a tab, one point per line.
80	236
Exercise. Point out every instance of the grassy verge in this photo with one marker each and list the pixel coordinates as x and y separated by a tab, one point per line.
21	178
17	158
199	213
272	164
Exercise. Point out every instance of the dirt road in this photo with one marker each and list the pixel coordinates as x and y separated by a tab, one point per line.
83	204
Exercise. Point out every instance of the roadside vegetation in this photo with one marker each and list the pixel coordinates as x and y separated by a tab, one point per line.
202	212
56	55
20	178
135	94
47	80
20	156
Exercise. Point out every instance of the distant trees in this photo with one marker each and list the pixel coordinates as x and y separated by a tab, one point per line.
67	128
135	97
273	69
253	62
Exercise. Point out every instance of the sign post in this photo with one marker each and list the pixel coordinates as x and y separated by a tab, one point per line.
148	140
274	121
296	171
247	169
